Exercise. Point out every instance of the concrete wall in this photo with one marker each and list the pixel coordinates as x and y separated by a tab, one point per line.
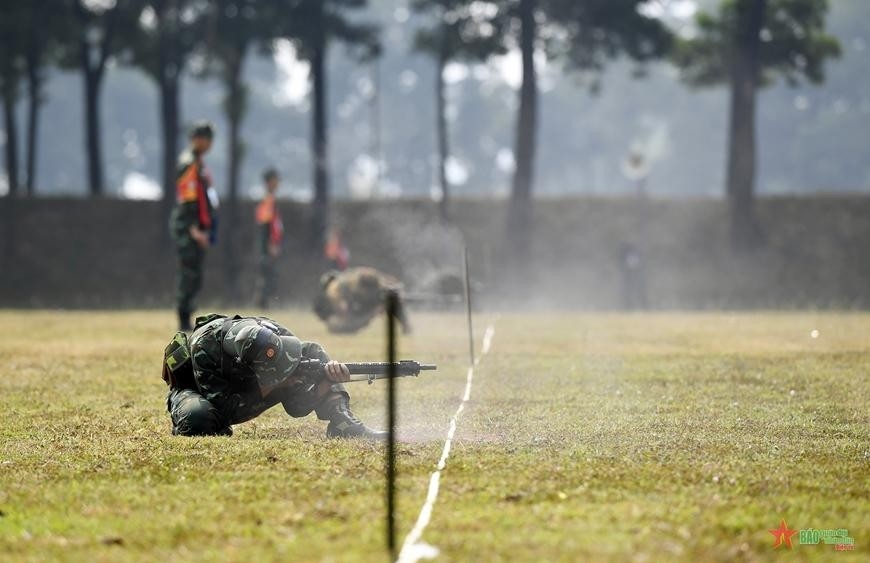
109	253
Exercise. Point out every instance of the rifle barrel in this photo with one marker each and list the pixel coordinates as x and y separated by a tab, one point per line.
369	371
404	367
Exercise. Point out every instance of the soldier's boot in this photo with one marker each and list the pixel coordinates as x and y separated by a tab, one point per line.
184	321
343	423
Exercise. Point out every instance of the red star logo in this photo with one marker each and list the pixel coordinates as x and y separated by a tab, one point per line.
783	535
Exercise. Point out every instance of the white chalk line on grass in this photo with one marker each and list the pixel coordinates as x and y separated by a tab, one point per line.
413	549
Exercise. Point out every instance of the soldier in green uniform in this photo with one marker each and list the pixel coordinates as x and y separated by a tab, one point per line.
270	233
243	366
194	219
349	300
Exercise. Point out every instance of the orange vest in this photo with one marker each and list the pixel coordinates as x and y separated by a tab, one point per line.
267	214
190	187
336	251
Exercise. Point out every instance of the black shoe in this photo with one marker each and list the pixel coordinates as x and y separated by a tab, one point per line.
357	430
227	431
343	424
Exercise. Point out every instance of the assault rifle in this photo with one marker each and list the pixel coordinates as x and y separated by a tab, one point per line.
315	370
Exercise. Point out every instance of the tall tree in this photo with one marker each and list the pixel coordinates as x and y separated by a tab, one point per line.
167	33
46	35
234	27
747	44
12	40
40	19
585	35
312	25
98	26
464	30
9	92
525	141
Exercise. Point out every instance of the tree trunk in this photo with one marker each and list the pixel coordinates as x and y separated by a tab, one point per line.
9	232
319	147
93	83
168	74
519	218
169	117
740	180
441	125
33	83
377	139
92	60
11	142
235	111
34	60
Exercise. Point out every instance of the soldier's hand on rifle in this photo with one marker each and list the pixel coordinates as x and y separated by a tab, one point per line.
337	372
199	236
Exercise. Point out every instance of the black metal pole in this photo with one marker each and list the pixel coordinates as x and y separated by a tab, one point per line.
468	308
392	309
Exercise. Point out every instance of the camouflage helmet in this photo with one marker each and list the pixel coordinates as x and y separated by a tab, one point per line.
271	357
292	353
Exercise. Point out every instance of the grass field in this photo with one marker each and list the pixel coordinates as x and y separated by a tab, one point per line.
660	437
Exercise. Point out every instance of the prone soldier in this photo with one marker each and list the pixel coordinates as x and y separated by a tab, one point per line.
349	300
233	369
194	219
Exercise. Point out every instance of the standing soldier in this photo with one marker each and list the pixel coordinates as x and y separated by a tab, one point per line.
632	268
335	252
194	220
270	231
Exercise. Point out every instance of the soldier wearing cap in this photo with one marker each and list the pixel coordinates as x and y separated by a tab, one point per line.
349	300
244	366
270	233
194	219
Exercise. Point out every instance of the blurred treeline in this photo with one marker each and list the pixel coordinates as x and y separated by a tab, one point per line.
406	96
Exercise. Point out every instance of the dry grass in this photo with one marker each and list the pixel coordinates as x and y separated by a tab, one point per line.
602	437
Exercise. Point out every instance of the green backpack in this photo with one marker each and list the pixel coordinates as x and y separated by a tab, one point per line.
177	365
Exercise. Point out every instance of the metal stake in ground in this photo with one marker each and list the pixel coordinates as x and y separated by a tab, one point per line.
468	308
392	313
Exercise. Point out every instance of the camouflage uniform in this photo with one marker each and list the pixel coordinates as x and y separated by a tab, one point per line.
193	208
270	232
233	358
349	300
